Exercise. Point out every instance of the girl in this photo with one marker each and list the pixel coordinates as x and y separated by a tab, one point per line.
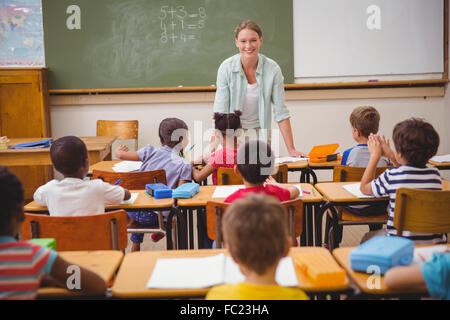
227	126
173	137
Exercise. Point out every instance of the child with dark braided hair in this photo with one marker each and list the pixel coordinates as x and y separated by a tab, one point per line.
228	127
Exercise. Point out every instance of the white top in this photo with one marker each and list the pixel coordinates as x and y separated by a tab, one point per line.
76	197
250	112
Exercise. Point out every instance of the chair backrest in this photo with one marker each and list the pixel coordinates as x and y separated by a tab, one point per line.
215	211
106	231
226	176
123	130
131	180
419	210
346	173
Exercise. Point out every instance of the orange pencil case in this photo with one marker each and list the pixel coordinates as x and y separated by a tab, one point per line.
320	268
324	153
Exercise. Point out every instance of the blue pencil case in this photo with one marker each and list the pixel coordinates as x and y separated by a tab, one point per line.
34	145
186	190
383	252
158	190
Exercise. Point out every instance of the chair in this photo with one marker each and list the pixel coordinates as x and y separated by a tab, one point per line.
106	231
215	211
344	217
426	211
123	130
226	176
135	181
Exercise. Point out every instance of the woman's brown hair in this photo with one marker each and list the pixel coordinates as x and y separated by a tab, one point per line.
248	24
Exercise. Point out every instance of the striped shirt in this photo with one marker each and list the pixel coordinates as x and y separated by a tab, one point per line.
407	176
22	267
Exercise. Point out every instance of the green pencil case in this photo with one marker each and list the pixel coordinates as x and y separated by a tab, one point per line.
45	242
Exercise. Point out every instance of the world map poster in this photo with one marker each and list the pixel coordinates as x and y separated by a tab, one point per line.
21	35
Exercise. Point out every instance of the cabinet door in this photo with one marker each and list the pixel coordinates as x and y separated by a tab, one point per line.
24	114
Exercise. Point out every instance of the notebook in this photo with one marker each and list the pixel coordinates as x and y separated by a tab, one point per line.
127	166
441	159
225	191
131	200
354	189
209	271
34	145
288	159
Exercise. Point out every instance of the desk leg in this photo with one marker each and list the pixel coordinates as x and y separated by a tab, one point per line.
191	229
173	211
305	176
200	228
182	228
318	216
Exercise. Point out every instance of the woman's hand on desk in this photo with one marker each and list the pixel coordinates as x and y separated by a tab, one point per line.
298	154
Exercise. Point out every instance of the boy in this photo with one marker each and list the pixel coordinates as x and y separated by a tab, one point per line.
435	274
23	265
75	195
250	224
364	121
255	162
415	142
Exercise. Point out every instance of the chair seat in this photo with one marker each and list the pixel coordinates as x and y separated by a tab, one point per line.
348	216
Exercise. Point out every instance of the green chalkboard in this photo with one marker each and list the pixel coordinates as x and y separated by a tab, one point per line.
152	43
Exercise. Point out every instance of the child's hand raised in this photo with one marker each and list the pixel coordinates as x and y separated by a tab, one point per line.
374	145
385	146
120	149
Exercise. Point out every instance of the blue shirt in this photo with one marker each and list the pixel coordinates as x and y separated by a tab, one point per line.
232	86
176	167
359	155
436	274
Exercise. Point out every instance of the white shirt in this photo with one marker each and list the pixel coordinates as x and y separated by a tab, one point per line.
250	112
76	197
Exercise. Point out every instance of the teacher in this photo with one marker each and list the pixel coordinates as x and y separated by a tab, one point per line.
251	83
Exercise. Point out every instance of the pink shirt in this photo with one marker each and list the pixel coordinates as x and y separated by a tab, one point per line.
222	158
269	189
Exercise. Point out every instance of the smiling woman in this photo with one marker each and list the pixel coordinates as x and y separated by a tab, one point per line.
251	82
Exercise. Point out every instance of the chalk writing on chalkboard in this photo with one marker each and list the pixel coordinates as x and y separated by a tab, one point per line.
179	25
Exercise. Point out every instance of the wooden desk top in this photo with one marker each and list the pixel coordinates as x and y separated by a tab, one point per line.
342	255
206	193
297	165
323	165
445	185
440	165
103	262
137	268
103	165
334	192
143	201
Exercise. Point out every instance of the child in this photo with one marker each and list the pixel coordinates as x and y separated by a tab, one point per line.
226	125
250	224
23	265
255	162
364	121
76	195
435	274
173	137
415	142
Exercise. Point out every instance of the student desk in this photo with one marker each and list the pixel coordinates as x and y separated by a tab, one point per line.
366	282
143	201
198	202
307	168
103	262
103	166
137	268
98	148
335	195
440	165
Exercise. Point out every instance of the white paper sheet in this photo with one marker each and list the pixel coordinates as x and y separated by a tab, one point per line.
354	189
299	187
133	198
187	273
441	159
225	191
127	166
423	254
288	159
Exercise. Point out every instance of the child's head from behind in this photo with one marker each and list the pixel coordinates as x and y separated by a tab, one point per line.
366	120
11	197
256	233
173	133
69	156
255	161
415	140
228	123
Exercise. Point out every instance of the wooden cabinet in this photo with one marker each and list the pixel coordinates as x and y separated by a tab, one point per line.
24	113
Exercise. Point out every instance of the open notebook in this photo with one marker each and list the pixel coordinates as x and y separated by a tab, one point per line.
195	273
354	189
127	166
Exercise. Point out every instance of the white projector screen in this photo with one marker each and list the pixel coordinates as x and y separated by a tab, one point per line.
368	37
